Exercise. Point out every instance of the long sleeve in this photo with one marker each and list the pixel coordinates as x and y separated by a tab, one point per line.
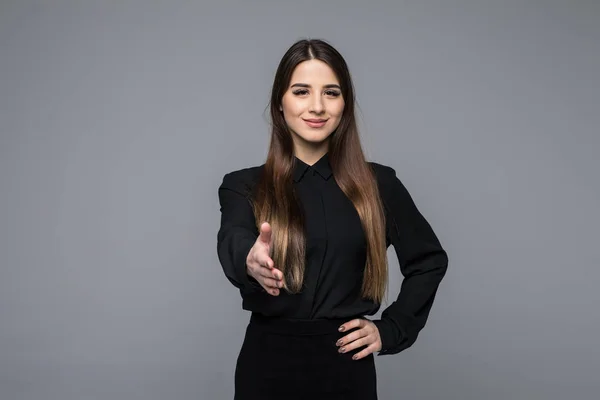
423	263
237	233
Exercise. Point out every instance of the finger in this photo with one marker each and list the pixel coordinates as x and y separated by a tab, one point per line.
271	283
354	335
365	352
355	323
265	233
273	292
263	259
273	273
363	341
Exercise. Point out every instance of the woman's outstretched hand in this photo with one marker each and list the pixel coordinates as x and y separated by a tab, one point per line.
367	335
259	264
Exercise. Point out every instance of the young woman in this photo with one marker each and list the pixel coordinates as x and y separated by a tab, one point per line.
304	238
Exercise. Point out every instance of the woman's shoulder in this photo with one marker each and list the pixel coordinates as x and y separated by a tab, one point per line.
383	173
242	179
389	183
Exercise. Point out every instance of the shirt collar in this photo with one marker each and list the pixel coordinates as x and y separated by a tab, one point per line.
322	167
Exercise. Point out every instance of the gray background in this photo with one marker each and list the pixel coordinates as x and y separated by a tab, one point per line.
118	120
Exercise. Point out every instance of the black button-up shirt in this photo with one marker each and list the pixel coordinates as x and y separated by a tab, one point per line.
336	252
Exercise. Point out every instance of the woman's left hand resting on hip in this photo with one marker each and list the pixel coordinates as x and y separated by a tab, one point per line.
366	335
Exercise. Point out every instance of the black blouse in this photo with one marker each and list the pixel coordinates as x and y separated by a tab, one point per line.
336	252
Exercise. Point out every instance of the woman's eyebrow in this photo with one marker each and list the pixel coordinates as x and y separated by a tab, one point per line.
305	85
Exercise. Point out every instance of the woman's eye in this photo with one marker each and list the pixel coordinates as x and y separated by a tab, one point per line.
302	92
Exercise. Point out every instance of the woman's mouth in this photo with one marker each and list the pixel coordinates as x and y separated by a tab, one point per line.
315	123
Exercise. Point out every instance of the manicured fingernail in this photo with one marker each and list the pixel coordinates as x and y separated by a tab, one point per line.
343	349
341	329
354	357
339	342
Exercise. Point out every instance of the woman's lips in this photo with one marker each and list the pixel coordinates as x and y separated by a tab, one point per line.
315	123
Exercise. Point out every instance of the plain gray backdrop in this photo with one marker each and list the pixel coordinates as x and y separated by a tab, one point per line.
118	120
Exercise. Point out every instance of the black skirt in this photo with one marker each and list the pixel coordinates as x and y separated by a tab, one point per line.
287	359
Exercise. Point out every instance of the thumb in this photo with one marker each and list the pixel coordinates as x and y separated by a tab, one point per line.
265	233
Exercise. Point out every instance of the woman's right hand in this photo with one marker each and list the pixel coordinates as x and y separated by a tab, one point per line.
259	264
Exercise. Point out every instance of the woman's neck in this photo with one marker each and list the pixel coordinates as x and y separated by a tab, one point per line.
310	155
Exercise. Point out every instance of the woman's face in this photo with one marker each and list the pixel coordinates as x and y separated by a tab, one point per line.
312	105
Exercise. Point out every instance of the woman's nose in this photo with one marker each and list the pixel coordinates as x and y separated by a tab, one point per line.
316	105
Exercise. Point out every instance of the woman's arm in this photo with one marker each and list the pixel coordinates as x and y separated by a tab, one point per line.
423	263
237	233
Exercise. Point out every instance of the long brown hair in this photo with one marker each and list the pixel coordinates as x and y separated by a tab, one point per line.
275	199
